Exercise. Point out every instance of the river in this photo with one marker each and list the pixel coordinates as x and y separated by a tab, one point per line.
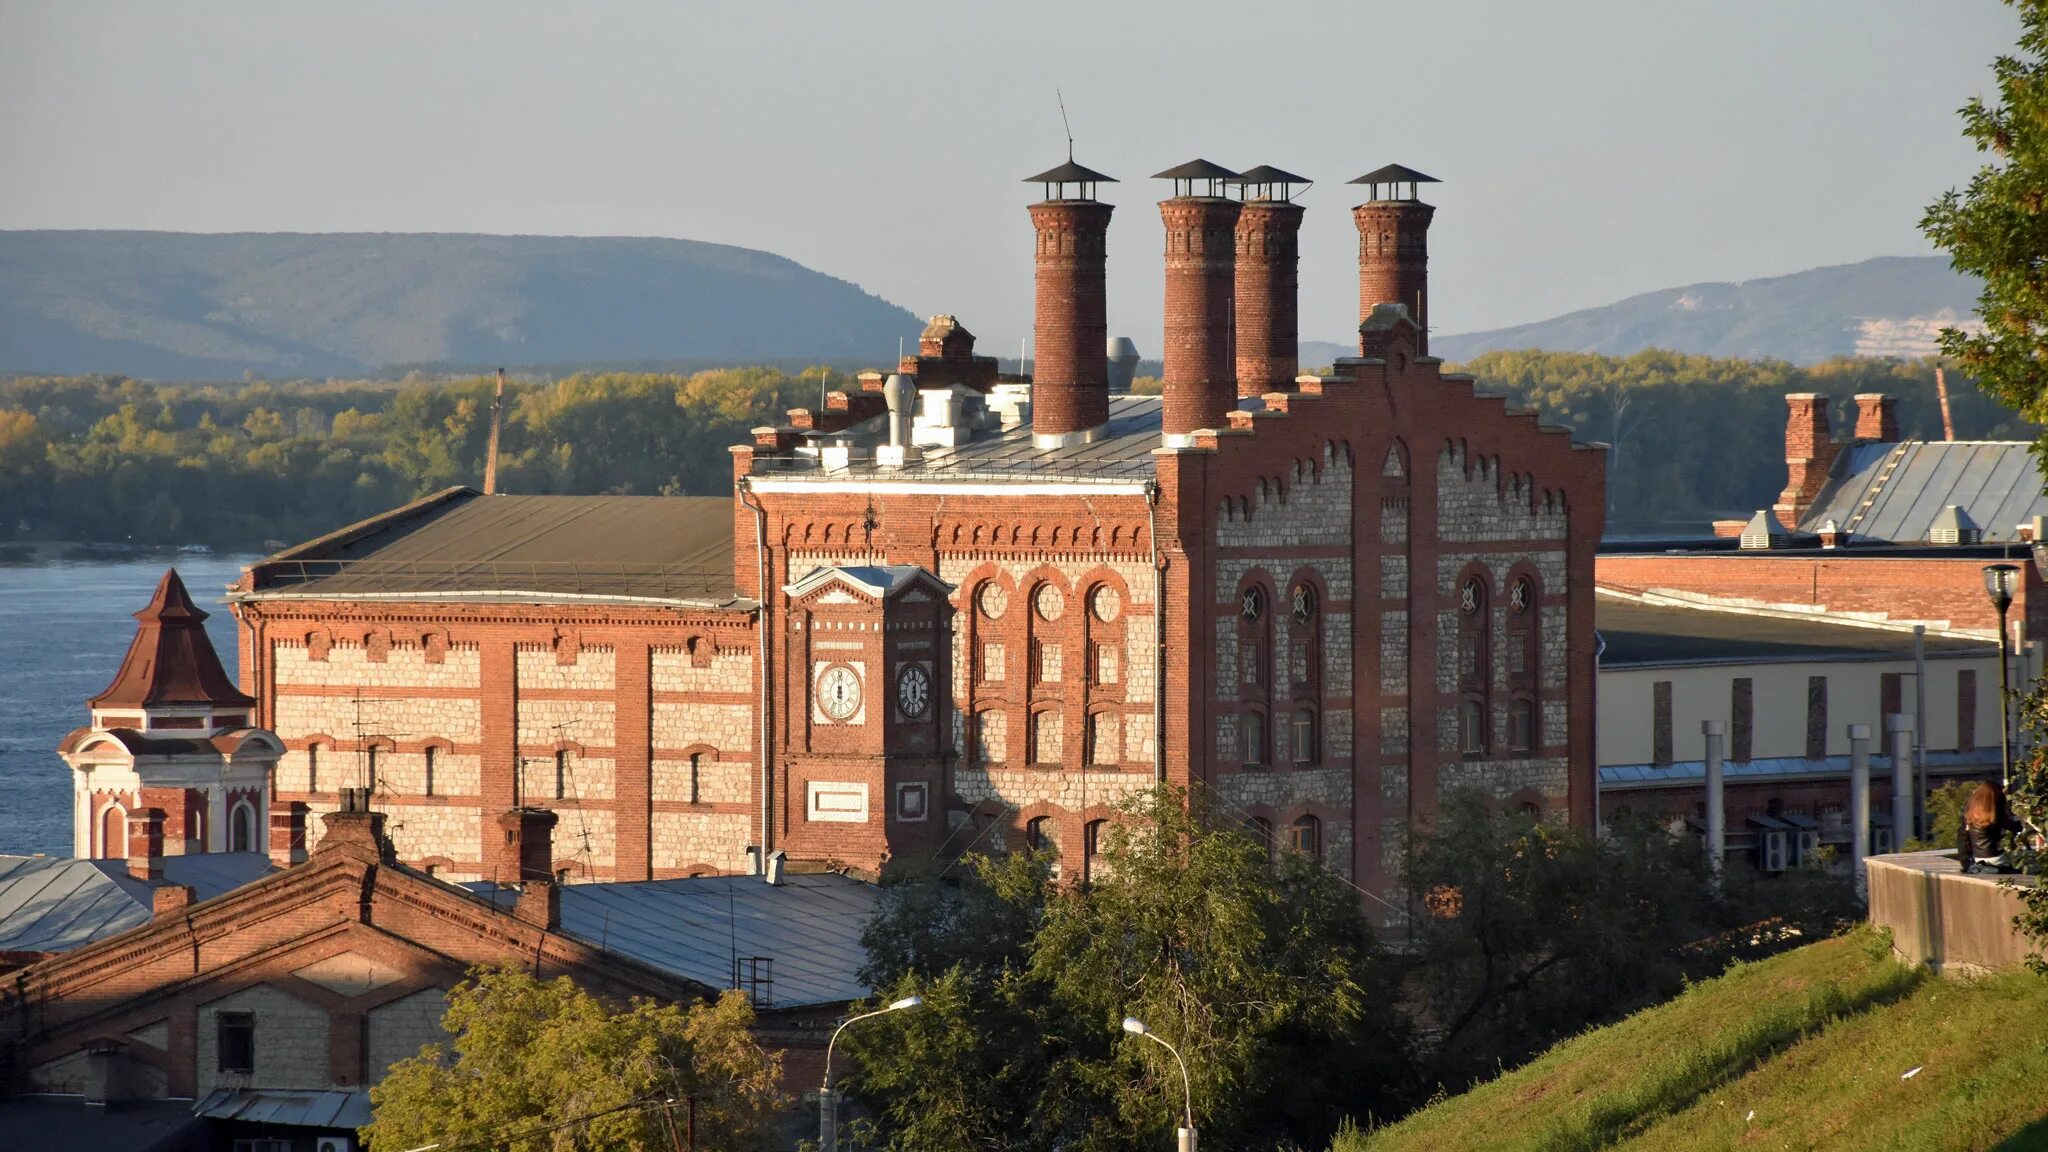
63	630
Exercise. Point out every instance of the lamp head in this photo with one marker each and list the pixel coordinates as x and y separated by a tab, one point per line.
2041	557
2001	581
1135	1026
906	1002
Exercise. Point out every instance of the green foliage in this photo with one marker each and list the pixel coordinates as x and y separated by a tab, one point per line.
2027	792
1944	816
1695	438
1997	229
529	1054
1528	932
98	458
1261	973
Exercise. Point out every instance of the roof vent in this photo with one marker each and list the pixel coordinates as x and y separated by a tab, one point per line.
1764	531
1952	525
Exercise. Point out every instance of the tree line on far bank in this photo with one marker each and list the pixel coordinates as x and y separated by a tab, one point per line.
101	458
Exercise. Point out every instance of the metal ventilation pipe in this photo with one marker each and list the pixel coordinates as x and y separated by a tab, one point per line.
901	395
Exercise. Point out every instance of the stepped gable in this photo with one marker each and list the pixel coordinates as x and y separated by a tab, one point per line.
171	661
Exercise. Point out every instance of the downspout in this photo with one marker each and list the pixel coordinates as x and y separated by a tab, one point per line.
1158	634
762	661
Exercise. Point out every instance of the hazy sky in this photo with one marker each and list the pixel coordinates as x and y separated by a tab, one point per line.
1588	149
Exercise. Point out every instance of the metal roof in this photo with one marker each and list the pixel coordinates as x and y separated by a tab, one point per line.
1639	635
1197	169
809	925
310	1109
1069	173
1267	174
462	544
66	1123
58	903
1395	174
1123	454
1693	773
1894	492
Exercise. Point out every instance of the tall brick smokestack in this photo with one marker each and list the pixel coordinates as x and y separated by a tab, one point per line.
1267	330
1070	373
1201	293
1393	245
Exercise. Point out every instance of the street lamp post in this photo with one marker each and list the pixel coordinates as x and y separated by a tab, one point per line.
828	1101
2000	582
1185	1137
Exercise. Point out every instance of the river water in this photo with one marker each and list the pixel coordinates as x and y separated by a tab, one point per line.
63	630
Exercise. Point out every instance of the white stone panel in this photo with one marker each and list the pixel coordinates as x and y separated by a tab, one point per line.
595	669
348	665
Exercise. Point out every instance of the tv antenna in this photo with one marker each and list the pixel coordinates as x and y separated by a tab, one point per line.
1065	123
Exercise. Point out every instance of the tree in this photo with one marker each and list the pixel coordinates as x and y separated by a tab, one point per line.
1997	228
1261	972
528	1054
2028	795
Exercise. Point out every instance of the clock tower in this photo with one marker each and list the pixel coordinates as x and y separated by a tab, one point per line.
867	715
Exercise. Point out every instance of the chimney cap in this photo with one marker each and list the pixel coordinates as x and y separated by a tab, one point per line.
1266	177
1185	175
1069	173
1395	175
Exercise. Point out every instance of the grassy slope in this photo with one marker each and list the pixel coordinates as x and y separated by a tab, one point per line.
1813	1041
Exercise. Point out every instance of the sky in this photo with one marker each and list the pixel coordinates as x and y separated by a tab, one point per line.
1588	149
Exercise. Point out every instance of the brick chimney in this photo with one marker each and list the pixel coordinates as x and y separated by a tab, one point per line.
146	844
1810	453
1197	380
353	827
1393	246
170	900
1267	329
1070	371
1877	418
530	845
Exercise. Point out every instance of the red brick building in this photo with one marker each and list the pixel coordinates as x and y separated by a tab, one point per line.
955	609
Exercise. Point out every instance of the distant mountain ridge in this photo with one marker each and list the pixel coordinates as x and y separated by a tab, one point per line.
1888	306
176	305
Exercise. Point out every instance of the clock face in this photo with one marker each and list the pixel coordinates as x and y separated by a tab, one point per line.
839	692
913	691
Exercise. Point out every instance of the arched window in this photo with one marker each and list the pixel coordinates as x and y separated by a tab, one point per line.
1531	809
1038	834
312	767
1260	830
113	832
561	773
1305	741
1091	847
1524	663
242	828
427	771
1474	663
1305	836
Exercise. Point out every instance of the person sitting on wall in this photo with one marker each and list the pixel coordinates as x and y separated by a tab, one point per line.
1987	824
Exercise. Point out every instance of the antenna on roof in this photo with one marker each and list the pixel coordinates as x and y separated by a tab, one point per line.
1065	123
491	449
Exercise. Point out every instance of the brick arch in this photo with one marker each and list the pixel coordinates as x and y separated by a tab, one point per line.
434	644
700	648
101	830
376	644
319	641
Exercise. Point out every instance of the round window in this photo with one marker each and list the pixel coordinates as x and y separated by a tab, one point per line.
1051	602
994	598
1106	604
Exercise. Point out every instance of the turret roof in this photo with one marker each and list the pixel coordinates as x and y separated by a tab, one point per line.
171	661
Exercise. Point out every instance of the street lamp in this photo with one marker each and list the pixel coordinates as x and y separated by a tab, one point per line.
1186	1135
828	1102
2001	581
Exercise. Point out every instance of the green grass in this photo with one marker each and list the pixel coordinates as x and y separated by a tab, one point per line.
1813	1042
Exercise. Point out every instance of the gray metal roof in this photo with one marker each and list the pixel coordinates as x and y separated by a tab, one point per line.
1893	492
1693	773
58	903
463	544
1123	454
809	925
1639	635
310	1109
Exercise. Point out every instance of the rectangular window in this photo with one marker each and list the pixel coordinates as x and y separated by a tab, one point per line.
1966	710
1518	655
562	775
1741	718
696	777
1301	662
1816	717
313	768
1521	726
1660	722
755	976
1254	738
1472	728
1048	662
236	1037
1468	659
1304	737
427	774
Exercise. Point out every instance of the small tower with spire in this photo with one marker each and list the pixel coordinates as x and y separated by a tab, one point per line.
169	765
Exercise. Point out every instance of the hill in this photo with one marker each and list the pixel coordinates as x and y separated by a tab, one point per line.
1834	1045
175	305
1890	306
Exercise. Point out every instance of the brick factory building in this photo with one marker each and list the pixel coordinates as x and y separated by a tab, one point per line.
955	608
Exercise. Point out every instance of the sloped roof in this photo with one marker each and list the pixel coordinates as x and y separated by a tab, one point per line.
171	661
58	903
809	926
461	544
334	1109
1893	492
1123	453
1638	635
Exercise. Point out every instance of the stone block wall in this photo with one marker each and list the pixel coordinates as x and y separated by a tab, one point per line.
291	1041
398	1030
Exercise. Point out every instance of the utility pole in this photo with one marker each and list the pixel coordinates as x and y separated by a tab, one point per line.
491	449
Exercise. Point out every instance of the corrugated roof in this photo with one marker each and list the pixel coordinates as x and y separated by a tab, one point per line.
58	903
462	544
1893	492
809	926
309	1109
1639	635
1123	454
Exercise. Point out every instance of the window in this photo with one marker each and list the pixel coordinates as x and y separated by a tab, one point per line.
562	774
113	832
1260	830
427	775
1091	846
312	768
1966	710
1254	732
236	1037
1305	736
696	777
1038	834
1252	656
755	976
1521	725
1471	728
1305	836
1660	722
1531	809
1816	717
242	829
1741	718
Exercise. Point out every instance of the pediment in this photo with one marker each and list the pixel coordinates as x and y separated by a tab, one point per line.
350	974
